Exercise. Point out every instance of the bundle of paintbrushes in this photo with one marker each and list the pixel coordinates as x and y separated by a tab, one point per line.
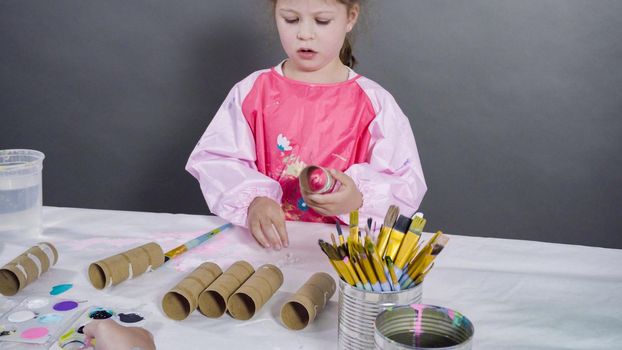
399	259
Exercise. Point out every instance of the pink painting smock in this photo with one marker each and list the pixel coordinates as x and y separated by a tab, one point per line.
270	127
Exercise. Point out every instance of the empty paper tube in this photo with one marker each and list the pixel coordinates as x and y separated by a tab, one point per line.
182	300
302	308
118	268
213	300
255	292
27	267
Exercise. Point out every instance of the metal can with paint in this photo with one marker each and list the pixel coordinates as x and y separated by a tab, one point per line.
358	310
422	327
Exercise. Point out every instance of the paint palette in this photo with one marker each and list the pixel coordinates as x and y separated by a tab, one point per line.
74	337
38	320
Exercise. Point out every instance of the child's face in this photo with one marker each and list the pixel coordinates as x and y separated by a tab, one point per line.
312	31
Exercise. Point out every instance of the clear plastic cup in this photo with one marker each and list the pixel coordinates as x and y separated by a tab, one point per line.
20	192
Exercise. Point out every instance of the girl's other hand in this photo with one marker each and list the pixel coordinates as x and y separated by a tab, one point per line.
345	199
266	221
110	335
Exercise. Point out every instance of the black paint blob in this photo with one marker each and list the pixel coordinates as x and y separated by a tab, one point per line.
3	333
100	315
130	318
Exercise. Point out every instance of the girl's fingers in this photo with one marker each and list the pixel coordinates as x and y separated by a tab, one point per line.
270	233
323	212
258	233
321	199
309	198
341	177
329	199
280	229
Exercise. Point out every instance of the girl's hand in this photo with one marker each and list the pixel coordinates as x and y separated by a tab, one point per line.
266	221
110	335
346	199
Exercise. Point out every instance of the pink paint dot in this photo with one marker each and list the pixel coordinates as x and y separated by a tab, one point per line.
35	333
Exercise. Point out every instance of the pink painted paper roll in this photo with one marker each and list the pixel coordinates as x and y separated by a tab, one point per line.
315	179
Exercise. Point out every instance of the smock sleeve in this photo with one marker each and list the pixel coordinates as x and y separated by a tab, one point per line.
223	162
393	174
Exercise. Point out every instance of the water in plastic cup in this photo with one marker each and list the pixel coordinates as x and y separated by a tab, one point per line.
20	192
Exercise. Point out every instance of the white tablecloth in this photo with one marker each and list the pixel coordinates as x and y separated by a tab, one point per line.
518	294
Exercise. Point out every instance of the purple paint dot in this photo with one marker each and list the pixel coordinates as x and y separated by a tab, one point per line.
65	306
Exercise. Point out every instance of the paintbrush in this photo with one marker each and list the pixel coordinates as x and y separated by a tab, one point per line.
340	233
350	268
421	277
394	282
410	240
335	260
366	266
194	242
425	258
436	247
354	224
342	263
354	231
397	235
385	230
439	244
368	234
415	267
368	239
378	267
361	274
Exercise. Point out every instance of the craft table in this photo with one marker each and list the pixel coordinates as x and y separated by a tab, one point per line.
518	294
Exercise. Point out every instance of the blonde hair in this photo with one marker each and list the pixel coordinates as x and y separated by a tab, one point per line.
345	54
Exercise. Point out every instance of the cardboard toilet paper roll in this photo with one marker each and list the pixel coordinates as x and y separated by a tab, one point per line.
27	267
255	292
315	179
182	300
302	308
213	300
118	268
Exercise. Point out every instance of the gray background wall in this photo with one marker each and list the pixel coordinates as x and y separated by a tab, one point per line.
516	105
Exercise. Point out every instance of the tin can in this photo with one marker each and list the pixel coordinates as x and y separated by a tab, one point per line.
358	310
420	326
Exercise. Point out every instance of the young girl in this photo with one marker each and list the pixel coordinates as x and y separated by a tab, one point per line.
311	109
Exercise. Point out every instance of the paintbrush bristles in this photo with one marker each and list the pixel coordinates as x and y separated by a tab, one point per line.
440	243
391	217
367	232
338	228
329	250
320	242
342	251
